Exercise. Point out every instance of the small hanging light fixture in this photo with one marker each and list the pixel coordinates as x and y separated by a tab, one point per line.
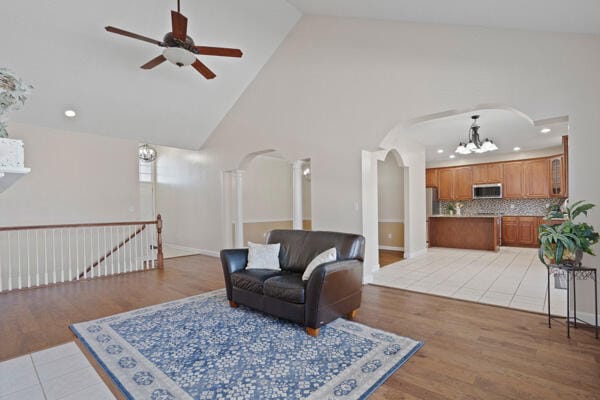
146	153
474	144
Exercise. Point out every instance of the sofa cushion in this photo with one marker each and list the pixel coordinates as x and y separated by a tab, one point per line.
288	287
252	280
298	247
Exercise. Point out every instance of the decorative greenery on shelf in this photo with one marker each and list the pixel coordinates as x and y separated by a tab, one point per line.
451	208
565	243
13	93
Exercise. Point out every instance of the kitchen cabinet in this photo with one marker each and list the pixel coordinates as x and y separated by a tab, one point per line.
558	177
536	179
495	173
520	231
431	178
513	180
463	183
446	184
487	173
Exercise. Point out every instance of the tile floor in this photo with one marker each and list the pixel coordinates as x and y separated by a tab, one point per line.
512	277
60	372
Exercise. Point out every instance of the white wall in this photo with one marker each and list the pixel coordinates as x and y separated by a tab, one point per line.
75	178
267	190
390	189
188	196
339	86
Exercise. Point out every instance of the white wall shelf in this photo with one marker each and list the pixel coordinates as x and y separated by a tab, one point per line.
9	175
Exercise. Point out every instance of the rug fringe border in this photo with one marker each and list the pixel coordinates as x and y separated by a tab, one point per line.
391	371
115	380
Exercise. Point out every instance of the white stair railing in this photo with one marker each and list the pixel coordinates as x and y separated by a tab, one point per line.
41	255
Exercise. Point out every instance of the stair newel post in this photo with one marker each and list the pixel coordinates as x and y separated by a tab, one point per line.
159	256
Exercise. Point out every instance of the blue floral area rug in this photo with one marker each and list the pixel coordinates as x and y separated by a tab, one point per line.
200	348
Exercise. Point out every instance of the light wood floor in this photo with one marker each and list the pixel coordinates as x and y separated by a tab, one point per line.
471	351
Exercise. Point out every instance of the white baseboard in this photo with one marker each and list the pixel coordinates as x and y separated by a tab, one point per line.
587	317
367	279
194	250
417	253
391	248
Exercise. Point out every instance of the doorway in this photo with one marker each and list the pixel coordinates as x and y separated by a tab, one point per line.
390	209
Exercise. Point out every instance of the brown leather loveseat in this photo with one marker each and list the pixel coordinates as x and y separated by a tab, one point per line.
333	289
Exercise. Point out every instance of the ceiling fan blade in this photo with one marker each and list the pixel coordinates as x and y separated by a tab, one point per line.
203	69
132	35
219	51
179	23
154	62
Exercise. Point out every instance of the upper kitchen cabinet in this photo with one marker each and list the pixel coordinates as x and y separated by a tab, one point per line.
487	173
463	183
446	183
558	177
536	179
513	180
431	178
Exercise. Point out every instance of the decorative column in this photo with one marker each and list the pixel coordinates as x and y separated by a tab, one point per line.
297	194
239	213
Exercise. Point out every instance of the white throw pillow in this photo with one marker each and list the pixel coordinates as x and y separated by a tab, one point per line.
263	256
324	257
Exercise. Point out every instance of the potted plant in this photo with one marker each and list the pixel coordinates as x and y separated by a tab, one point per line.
565	243
450	208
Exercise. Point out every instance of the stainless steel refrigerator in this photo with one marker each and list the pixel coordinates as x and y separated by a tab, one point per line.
432	206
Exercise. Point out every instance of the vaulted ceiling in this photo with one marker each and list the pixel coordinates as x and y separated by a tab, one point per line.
62	49
577	16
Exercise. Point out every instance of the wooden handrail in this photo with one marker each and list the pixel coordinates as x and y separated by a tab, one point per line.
113	250
97	224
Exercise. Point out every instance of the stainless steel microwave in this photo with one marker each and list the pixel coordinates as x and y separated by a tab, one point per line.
491	191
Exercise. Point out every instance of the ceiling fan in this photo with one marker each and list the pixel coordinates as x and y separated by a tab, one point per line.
180	49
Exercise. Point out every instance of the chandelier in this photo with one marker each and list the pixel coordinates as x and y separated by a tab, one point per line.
146	153
474	144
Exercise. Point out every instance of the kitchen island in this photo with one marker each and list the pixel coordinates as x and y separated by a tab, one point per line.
476	232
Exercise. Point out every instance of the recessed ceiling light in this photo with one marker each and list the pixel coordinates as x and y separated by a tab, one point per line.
452	156
440	151
546	130
516	148
70	113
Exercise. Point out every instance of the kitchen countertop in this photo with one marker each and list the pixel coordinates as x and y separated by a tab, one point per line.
463	216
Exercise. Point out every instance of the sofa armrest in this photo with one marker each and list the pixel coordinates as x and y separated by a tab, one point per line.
232	260
329	284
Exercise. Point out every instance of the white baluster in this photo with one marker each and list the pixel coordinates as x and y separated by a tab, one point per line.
28	260
37	260
53	256
19	283
98	273
46	258
91	251
70	256
62	256
131	248
105	252
112	258
77	249
10	266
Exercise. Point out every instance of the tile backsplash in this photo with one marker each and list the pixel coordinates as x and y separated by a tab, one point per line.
532	207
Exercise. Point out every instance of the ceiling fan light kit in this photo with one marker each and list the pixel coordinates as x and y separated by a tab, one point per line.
180	49
474	144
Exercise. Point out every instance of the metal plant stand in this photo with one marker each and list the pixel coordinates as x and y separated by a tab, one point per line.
582	273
